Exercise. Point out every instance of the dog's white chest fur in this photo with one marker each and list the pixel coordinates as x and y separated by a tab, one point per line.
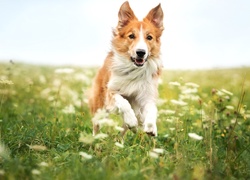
129	80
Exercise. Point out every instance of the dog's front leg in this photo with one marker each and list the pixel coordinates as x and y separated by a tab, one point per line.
125	108
150	117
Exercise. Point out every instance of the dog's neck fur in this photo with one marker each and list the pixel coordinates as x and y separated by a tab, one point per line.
128	79
121	67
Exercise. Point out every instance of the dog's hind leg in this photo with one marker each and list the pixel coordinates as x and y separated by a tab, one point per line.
100	114
96	128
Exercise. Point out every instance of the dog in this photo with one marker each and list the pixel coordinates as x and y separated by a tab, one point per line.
128	79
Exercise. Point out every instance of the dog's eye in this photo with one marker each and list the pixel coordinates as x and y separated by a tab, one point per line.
131	36
149	37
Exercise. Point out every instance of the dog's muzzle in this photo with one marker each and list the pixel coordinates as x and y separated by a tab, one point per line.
139	60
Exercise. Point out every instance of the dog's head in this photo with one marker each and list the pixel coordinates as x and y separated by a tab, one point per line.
138	41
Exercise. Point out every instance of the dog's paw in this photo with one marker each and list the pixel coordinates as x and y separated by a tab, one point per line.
150	129
130	120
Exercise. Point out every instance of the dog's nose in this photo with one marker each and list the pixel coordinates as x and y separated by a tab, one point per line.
140	52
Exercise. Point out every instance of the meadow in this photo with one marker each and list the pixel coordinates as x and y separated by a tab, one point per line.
46	131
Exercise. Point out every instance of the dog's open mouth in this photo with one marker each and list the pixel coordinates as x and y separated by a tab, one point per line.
138	61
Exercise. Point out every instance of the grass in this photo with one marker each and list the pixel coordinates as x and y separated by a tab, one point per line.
46	128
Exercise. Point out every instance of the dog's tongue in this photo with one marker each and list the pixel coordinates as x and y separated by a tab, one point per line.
139	62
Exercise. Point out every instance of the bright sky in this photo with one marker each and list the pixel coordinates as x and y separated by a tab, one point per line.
198	33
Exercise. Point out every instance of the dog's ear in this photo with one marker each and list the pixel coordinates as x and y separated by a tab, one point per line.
125	15
155	16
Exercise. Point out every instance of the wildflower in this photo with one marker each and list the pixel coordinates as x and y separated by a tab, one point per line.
85	100
86	138
100	114
78	103
6	82
106	121
69	109
119	145
37	147
220	93
205	126
166	135
167	112
29	81
174	83
180	103
82	77
153	154
192	85
64	71
233	121
226	97
172	129
43	164
35	172
45	92
230	107
42	79
242	110
169	120
158	150
195	136
189	97
85	155
118	128
226	92
160	81
57	83
189	91
101	136
160	102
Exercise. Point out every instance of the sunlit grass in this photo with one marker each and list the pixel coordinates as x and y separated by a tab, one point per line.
46	130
